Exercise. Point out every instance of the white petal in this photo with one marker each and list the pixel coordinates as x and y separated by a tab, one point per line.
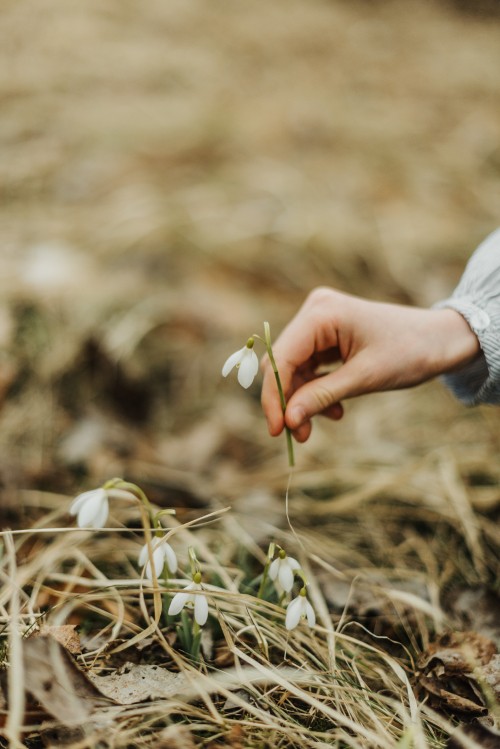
177	603
232	361
293	613
311	616
200	610
248	368
169	554
94	511
143	556
294	565
102	515
83	498
158	562
274	568
285	576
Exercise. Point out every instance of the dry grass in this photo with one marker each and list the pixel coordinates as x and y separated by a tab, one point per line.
173	174
342	684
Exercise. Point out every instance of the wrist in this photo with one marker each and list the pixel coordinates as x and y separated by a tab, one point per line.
459	344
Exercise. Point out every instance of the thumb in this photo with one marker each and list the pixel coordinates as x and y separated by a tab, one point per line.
320	394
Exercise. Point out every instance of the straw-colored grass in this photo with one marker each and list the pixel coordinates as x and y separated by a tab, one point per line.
347	682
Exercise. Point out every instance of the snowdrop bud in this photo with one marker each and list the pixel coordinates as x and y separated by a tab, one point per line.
246	362
189	598
91	508
162	553
282	569
298	609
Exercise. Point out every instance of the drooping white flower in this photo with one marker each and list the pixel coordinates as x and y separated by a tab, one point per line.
299	608
188	597
282	569
162	553
247	363
91	508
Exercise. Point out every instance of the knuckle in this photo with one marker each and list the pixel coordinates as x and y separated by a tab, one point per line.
324	398
319	295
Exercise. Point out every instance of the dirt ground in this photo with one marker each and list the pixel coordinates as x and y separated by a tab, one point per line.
174	173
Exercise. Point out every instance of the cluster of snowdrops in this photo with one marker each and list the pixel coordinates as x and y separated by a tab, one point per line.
157	558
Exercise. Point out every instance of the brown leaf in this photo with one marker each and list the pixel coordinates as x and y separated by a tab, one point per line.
137	683
451	699
491	675
54	679
65	634
459	651
457	668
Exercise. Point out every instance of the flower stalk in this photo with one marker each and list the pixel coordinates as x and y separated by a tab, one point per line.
246	362
269	348
265	571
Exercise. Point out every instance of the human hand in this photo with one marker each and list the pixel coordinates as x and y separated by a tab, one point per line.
378	346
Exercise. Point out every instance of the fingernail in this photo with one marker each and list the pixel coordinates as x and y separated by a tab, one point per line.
296	417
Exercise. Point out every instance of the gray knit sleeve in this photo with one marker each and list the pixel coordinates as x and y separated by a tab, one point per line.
477	299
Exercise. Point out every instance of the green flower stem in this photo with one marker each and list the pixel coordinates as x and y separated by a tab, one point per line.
263	580
269	347
195	641
265	571
134	489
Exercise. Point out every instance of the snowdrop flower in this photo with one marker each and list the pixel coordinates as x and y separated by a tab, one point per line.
190	599
91	508
247	363
298	609
282	569
161	553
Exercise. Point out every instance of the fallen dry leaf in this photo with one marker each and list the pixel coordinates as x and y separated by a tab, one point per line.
54	679
65	634
137	683
457	668
459	651
491	675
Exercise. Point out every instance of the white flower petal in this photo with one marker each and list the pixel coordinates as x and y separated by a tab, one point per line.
177	603
143	556
200	610
102	515
311	616
232	361
83	498
170	556
294	565
274	568
93	512
285	576
293	613
248	368
158	562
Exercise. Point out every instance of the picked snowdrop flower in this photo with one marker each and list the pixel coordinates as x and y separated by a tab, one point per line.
161	553
282	569
91	508
246	362
188	597
299	608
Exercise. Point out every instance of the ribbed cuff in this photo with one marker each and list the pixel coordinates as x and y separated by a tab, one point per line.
479	381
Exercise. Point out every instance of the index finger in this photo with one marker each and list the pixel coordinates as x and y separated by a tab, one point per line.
294	347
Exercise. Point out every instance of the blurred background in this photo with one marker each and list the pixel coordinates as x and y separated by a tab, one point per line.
174	173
